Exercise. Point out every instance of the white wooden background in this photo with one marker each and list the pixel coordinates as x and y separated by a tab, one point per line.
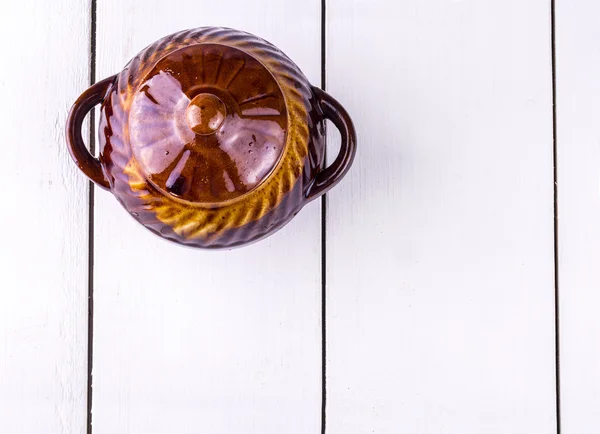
435	276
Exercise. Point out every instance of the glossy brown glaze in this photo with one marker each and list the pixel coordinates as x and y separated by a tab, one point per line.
211	138
207	124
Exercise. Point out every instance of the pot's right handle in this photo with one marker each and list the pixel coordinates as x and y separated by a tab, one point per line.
88	164
331	175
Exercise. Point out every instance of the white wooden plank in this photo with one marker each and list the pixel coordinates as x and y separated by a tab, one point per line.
192	341
578	165
440	305
44	248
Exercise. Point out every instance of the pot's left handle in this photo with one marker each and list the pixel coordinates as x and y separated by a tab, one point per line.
88	164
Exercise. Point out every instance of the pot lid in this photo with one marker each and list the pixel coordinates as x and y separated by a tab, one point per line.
208	123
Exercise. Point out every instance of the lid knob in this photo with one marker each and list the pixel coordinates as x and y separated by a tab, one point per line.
205	114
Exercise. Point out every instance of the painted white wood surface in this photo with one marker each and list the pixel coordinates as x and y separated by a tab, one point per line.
439	242
578	156
192	341
440	276
44	220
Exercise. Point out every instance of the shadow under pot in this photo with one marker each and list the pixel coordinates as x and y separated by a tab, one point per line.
211	138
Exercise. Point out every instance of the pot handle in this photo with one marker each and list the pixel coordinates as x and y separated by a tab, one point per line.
88	164
331	175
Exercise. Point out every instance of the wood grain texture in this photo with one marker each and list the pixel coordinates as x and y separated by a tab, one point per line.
192	341
44	248
440	277
578	166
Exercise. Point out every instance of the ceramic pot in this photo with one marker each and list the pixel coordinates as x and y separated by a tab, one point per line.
211	138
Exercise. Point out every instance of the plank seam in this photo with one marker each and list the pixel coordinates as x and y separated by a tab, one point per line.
555	192
91	200
323	242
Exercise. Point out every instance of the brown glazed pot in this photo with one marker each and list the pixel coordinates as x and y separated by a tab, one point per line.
211	138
